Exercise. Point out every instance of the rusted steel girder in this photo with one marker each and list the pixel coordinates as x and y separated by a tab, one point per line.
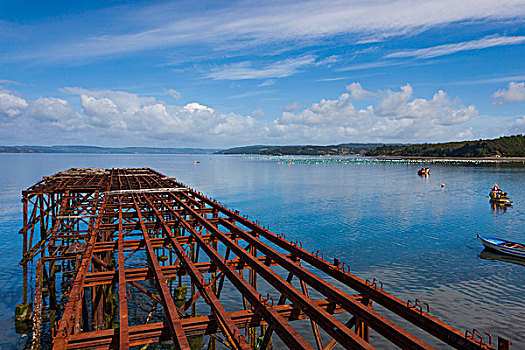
122	295
177	332
142	273
232	332
75	296
287	333
330	324
194	326
385	327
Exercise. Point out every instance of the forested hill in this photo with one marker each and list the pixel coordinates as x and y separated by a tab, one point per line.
508	146
309	150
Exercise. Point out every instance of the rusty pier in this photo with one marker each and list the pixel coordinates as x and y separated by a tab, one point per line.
129	257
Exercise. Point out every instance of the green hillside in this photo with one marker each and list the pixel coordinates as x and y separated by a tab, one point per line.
308	150
508	146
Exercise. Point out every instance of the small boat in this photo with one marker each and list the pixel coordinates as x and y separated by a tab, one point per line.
423	172
497	196
503	246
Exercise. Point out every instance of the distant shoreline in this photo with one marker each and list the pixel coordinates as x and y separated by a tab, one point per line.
465	159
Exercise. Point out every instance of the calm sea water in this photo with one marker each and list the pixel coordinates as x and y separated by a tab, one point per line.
382	219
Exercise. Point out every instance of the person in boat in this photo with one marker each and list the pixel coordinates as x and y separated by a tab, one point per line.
496	191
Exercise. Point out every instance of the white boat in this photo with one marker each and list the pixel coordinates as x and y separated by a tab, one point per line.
503	246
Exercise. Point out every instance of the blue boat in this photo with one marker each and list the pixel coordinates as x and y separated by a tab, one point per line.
503	246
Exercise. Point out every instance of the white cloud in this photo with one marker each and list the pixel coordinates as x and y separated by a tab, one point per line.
515	92
51	109
194	106
123	115
371	65
357	92
292	107
121	118
518	126
249	94
249	24
448	49
268	82
334	79
11	106
397	117
174	93
279	69
258	113
9	82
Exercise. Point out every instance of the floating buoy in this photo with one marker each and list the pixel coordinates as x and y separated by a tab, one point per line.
442	185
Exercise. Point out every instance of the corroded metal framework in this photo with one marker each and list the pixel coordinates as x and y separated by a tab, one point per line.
82	225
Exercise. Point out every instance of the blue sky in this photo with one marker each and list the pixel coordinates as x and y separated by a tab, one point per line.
230	73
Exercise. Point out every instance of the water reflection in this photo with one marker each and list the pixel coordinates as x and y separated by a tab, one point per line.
495	256
497	208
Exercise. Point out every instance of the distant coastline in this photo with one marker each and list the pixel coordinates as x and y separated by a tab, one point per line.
503	149
105	150
454	159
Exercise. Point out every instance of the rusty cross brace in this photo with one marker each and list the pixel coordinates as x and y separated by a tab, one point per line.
234	335
41	245
144	334
285	331
330	324
384	326
68	317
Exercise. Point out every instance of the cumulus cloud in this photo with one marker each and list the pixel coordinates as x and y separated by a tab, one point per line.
124	118
11	105
357	92
515	92
128	114
397	117
52	109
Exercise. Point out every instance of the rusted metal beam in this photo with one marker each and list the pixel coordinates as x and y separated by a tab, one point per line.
177	332
68	317
285	331
330	324
122	295
430	324
142	273
381	324
231	331
202	325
